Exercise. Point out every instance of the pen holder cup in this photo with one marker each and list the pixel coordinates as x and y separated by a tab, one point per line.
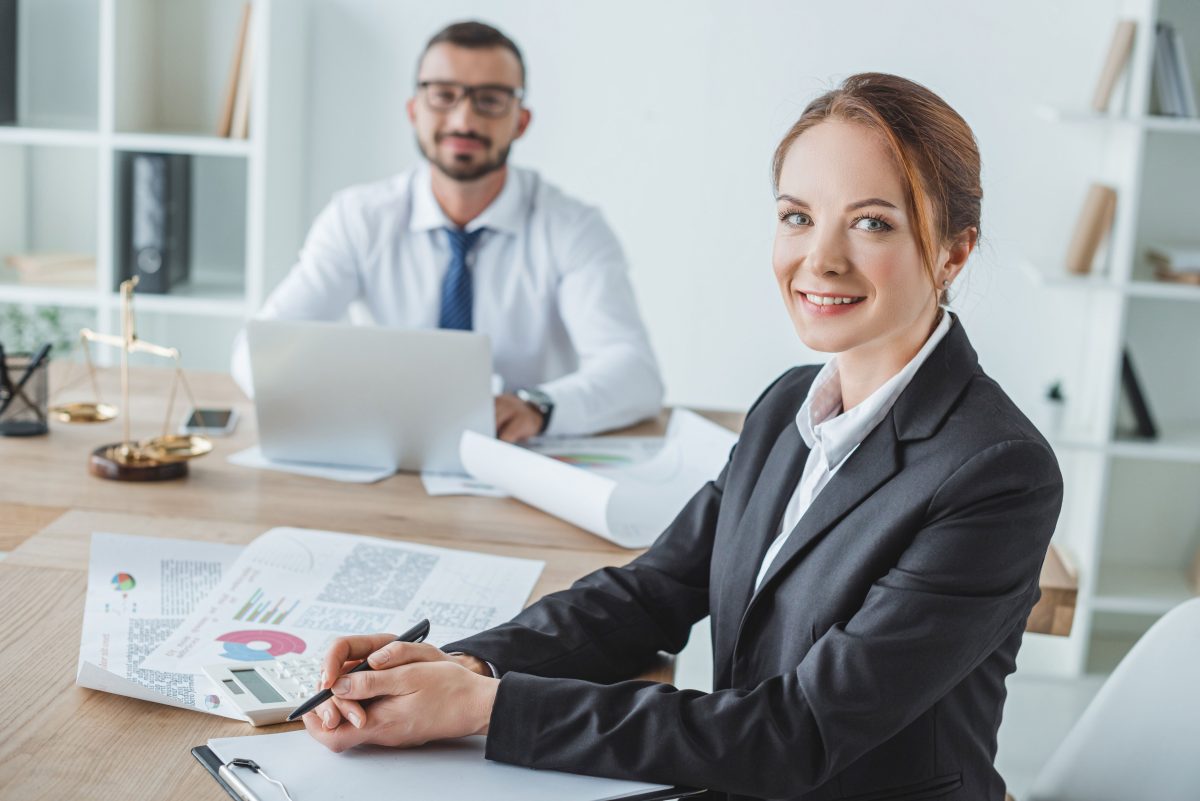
25	412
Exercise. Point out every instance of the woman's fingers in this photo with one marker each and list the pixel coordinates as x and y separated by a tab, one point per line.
374	683
351	711
346	649
401	653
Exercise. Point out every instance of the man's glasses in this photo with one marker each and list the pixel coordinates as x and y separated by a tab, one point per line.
488	100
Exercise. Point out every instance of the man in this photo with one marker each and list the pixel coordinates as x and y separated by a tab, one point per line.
465	241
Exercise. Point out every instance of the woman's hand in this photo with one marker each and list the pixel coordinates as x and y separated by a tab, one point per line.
420	693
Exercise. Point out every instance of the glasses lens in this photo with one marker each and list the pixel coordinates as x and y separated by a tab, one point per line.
492	102
443	95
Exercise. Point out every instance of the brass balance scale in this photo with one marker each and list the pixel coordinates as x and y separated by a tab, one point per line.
156	459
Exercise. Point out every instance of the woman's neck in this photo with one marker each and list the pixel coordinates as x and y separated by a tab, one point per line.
864	369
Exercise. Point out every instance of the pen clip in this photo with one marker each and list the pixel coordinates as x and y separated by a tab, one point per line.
251	765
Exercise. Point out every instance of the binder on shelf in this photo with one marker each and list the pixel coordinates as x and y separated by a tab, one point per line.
229	101
1119	51
1094	223
8	62
155	222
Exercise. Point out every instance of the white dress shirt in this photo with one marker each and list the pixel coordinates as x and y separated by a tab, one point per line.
832	435
550	288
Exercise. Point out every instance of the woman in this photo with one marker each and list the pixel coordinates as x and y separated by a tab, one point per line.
868	555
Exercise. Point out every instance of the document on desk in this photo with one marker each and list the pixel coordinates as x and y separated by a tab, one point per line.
627	504
450	770
598	454
139	590
293	591
253	457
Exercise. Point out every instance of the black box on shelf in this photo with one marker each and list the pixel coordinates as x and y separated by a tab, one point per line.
156	211
8	62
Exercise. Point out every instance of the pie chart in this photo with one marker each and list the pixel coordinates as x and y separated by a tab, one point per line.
123	582
257	645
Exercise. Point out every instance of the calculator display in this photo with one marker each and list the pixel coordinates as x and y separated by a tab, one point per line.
257	685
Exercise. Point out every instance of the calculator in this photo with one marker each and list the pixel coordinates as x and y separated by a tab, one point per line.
267	692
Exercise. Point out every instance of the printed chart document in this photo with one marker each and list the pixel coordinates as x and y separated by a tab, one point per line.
598	454
293	591
139	590
450	770
629	504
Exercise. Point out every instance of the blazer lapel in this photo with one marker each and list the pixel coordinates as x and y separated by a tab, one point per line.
875	461
759	524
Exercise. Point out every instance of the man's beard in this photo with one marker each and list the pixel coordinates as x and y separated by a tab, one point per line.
465	172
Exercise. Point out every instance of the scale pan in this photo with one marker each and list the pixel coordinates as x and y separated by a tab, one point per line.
175	447
84	412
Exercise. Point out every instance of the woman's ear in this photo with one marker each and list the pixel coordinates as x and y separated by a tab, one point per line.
958	252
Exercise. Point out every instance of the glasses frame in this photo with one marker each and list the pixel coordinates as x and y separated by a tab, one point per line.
469	91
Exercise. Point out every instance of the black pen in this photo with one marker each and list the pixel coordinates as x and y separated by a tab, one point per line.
415	634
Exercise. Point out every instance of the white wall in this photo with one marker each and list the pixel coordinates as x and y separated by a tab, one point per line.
665	114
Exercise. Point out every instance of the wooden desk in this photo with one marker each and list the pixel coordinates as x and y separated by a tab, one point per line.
61	741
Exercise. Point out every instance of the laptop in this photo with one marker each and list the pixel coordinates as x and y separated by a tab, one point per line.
356	396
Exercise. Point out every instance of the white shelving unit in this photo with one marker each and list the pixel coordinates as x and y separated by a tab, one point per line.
99	79
1131	516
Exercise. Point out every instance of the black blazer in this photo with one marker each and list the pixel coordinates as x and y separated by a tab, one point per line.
870	664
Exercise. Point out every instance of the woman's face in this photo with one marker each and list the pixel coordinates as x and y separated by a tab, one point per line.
846	257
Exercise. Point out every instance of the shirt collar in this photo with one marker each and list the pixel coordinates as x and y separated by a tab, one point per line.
820	420
503	214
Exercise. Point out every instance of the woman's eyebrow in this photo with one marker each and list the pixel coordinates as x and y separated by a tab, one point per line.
874	201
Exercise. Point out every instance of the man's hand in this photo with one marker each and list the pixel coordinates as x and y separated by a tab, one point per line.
420	694
516	420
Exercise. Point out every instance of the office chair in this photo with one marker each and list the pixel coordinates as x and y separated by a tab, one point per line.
1140	736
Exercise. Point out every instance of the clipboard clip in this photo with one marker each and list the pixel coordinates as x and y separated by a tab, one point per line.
239	787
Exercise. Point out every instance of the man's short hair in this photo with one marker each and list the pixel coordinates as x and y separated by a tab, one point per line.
475	35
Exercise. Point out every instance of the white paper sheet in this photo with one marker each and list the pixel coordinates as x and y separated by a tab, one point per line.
438	484
253	457
139	590
629	505
450	770
295	590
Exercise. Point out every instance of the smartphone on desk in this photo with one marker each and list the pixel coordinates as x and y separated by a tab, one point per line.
211	422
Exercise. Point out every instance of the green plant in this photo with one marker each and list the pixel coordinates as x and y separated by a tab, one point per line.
24	330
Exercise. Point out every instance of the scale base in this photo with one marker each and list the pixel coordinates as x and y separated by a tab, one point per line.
116	463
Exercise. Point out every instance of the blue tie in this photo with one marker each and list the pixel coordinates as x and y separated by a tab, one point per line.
456	286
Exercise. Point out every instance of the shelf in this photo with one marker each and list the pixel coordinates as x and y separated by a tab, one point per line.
33	295
1153	290
1148	122
211	298
181	143
20	135
1140	590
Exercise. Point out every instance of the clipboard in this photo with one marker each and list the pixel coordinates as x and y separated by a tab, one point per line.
226	774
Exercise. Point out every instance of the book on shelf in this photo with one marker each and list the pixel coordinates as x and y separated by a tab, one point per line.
53	269
1174	92
1135	400
155	220
229	100
8	62
239	126
1091	229
1175	262
1119	51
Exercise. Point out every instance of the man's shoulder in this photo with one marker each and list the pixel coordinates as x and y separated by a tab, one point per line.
389	193
550	201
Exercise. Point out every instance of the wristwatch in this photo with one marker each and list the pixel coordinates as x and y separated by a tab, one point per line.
540	401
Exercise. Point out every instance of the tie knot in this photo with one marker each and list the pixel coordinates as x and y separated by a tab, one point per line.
462	242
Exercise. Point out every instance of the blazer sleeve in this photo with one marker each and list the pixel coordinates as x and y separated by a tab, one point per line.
611	624
969	577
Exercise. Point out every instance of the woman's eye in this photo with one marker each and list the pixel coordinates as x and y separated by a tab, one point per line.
797	218
871	224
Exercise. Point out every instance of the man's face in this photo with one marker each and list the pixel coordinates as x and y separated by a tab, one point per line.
460	142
